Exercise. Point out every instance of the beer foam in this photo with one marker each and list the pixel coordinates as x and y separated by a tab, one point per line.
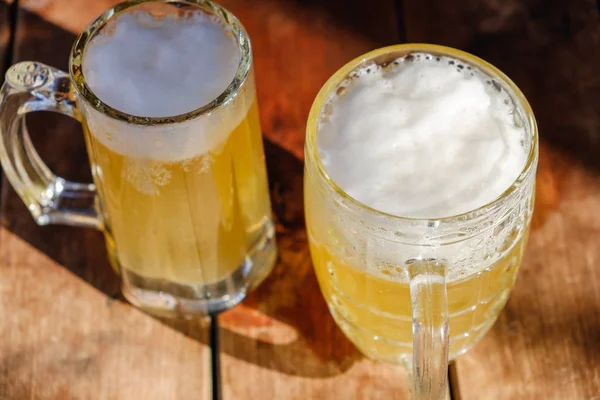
422	137
162	67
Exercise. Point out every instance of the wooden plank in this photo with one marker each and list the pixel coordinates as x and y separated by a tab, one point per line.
63	335
545	343
281	343
5	35
62	339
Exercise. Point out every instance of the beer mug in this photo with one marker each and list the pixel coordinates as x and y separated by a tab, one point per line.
407	289
182	199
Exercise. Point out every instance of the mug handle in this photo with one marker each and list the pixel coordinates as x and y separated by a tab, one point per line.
32	86
430	329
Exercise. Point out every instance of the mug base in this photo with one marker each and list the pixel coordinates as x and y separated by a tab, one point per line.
176	300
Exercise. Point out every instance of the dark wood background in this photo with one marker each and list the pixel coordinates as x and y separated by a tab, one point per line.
66	333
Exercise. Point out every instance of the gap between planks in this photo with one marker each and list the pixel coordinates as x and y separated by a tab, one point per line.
215	358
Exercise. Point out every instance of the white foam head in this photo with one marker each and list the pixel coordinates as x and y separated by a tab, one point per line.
425	137
162	67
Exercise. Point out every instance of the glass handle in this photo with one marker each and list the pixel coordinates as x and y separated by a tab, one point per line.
28	87
430	329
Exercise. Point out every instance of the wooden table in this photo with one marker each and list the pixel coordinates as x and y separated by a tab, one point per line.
66	333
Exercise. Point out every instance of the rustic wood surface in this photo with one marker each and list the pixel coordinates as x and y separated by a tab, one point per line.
65	333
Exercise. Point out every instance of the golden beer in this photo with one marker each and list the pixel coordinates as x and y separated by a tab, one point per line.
191	221
373	305
418	191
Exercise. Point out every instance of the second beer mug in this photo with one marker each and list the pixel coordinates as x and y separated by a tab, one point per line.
165	93
419	183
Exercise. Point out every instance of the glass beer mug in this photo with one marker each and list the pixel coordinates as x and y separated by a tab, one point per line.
181	198
404	288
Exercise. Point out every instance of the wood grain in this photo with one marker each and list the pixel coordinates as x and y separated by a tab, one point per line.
281	342
61	339
545	344
5	35
65	332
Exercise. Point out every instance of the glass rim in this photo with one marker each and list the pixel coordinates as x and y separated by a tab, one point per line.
312	127
229	20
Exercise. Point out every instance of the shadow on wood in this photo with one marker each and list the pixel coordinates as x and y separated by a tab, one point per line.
377	21
303	339
59	141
